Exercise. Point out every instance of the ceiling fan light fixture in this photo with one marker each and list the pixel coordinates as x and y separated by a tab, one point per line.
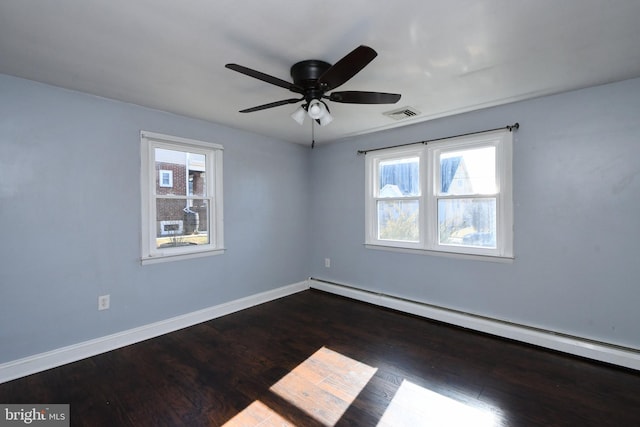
316	109
319	111
299	115
325	119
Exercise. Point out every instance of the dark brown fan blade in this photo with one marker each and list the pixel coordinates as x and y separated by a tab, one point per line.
265	77
347	67
358	97
271	105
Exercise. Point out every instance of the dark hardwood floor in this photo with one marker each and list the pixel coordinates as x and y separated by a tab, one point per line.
314	359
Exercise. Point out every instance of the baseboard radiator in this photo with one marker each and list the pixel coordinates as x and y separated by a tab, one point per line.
596	350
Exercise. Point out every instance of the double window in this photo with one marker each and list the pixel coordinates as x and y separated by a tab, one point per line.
452	195
181	185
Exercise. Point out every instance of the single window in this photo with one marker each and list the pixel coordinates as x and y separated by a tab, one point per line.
181	183
451	195
165	178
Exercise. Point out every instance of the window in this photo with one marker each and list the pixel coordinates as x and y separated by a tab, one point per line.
181	183
397	198
166	178
451	195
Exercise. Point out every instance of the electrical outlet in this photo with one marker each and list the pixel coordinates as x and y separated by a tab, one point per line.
327	262
103	302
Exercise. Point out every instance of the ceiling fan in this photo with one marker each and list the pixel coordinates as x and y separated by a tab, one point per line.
312	79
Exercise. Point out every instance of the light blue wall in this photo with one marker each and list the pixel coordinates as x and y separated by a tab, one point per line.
70	219
577	218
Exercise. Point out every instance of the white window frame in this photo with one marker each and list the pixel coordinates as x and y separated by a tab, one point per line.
429	167
169	174
149	141
373	198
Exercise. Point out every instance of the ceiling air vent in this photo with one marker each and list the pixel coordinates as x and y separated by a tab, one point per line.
402	113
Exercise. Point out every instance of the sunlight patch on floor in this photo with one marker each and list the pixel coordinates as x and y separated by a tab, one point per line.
324	385
258	414
415	406
327	383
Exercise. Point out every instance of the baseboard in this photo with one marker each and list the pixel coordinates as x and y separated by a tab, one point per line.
595	350
61	356
604	352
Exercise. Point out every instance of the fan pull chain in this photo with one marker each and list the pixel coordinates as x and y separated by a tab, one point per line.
313	135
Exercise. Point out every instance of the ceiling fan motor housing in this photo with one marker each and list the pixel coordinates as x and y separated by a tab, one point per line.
306	74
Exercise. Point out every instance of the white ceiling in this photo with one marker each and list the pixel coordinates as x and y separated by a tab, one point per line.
444	57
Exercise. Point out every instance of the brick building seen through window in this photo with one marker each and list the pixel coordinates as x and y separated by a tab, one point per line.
180	216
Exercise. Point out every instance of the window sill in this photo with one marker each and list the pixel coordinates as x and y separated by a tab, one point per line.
456	255
178	257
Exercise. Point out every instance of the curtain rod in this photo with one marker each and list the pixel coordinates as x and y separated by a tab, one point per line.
509	128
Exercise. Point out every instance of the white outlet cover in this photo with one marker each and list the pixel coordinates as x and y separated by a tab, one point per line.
104	302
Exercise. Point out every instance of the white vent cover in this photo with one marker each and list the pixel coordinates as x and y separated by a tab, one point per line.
402	113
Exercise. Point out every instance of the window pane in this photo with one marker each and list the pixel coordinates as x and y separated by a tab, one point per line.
467	222
181	222
187	171
466	172
197	183
398	220
399	177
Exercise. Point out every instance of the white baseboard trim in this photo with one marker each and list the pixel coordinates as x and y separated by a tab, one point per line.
603	352
61	356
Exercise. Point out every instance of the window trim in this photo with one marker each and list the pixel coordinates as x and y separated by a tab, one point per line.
429	179
214	193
